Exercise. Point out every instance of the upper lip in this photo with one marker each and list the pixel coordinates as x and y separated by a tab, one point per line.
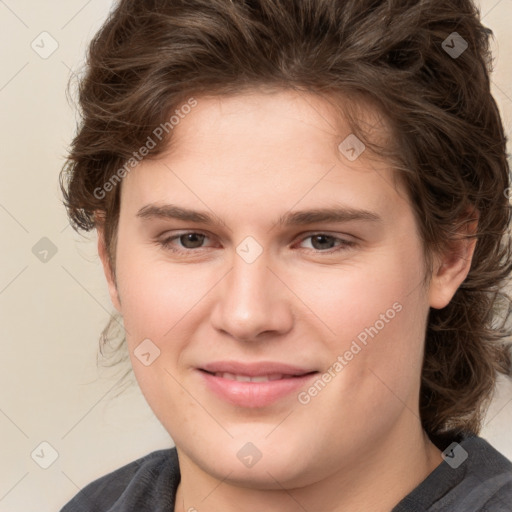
255	369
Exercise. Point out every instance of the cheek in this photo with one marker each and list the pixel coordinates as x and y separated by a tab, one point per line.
156	295
376	314
383	293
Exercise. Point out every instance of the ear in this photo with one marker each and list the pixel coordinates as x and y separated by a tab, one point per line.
452	267
107	268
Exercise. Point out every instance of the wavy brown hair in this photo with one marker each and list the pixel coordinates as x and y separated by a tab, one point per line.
448	144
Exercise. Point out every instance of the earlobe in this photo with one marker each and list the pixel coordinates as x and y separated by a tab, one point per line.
452	268
107	269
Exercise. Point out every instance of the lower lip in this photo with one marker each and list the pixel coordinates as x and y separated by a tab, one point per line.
254	394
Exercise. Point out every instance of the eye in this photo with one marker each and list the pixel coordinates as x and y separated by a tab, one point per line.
189	241
323	242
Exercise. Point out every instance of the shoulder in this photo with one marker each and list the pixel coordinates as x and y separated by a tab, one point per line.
485	452
473	477
488	477
148	483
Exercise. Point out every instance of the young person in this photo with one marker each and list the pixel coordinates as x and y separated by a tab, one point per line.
302	214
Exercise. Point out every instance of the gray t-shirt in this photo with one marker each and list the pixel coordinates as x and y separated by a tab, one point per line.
473	477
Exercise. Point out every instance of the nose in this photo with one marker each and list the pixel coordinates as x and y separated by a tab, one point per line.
253	304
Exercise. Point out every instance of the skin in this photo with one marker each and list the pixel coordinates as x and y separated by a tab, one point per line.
248	159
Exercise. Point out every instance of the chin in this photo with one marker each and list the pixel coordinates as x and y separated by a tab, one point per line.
258	465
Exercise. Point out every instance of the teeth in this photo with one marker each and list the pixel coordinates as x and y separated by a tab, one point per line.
262	378
246	378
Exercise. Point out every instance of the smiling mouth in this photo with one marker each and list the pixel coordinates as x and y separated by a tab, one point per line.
254	391
259	378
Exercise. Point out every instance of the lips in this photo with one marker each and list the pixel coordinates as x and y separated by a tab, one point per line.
254	385
258	369
247	378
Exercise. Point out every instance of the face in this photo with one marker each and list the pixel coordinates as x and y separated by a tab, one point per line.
256	330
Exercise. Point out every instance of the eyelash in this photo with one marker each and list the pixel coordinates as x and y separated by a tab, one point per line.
343	245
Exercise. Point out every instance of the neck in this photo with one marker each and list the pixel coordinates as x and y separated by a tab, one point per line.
398	463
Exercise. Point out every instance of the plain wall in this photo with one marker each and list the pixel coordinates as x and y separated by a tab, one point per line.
52	312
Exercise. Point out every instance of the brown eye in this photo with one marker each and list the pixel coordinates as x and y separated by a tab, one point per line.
192	240
322	242
187	242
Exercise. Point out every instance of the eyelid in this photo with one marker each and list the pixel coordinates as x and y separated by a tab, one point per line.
168	238
343	243
345	237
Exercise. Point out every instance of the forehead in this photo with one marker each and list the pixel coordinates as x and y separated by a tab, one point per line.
277	119
262	148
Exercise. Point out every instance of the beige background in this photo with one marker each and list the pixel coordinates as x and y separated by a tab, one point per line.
52	313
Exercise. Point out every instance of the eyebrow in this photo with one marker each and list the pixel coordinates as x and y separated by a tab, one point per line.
297	218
